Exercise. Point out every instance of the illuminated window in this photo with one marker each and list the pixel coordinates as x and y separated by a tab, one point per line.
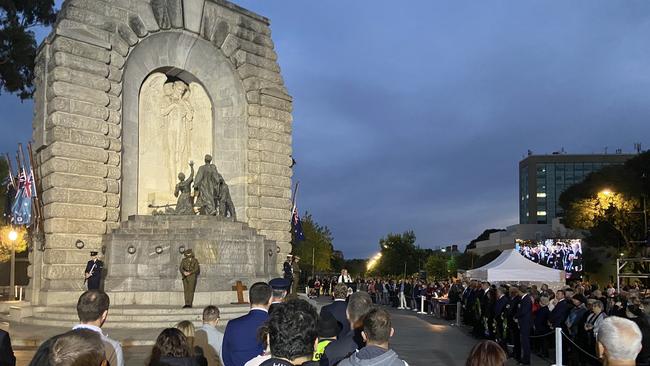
541	194
541	213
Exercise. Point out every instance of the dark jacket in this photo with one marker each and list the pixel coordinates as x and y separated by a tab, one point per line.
559	313
240	343
338	309
541	321
176	361
6	352
342	348
525	313
643	358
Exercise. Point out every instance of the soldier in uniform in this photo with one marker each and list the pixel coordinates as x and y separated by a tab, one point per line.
295	270
189	271
287	273
93	272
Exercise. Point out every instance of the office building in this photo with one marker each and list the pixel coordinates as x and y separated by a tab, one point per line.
542	178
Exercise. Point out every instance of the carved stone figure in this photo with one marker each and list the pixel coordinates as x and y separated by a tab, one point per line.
185	202
206	185
224	201
175	126
177	113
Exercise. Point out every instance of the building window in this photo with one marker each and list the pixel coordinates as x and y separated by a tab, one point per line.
541	195
541	213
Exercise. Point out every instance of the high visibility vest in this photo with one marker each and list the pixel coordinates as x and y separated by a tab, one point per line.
320	349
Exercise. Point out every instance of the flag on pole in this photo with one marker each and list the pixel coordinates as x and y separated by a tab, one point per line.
296	225
21	211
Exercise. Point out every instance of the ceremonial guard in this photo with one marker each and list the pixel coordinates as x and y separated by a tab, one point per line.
93	272
287	271
295	270
189	271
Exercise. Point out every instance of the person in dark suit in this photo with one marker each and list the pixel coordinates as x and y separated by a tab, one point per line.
240	341
524	319
338	308
560	311
513	327
541	323
93	272
500	316
6	352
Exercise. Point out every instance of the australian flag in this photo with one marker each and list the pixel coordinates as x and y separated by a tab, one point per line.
296	225
21	211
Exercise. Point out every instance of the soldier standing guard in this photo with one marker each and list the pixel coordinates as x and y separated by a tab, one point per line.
93	272
189	270
295	269
287	270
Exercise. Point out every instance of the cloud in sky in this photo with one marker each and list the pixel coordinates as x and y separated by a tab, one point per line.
415	116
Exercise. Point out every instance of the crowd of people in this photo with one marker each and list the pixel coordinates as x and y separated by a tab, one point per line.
398	293
356	327
523	318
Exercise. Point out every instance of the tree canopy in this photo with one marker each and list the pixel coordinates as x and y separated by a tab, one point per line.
318	241
609	203
398	252
18	43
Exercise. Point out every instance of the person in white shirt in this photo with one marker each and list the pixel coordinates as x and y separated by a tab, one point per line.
344	277
92	309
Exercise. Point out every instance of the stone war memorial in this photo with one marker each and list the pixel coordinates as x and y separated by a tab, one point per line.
131	93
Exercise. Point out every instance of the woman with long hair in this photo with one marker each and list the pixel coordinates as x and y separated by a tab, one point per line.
486	353
172	349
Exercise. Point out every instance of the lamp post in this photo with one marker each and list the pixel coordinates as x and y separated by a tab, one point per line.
13	235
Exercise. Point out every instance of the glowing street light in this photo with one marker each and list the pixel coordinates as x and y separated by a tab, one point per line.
606	192
13	235
373	262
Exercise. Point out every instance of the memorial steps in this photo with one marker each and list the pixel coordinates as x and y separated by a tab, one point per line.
131	317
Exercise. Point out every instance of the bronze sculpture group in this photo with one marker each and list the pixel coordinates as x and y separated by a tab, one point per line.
211	194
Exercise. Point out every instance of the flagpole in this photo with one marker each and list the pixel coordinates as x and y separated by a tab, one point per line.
11	170
37	202
293	209
294	195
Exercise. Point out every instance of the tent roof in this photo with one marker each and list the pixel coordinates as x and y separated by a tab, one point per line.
512	266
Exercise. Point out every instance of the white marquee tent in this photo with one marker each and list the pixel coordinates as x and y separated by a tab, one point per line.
512	267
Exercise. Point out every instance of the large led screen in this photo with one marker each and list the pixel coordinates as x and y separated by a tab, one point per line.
562	254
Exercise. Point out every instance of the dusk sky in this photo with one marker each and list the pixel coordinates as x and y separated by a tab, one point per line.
415	116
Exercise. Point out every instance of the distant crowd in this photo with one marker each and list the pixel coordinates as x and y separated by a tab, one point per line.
525	317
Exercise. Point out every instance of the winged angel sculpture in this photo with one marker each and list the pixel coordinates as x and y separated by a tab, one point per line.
175	127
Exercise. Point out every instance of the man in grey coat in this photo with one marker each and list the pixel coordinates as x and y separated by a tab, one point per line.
376	332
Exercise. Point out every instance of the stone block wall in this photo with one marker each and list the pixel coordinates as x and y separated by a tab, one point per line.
81	135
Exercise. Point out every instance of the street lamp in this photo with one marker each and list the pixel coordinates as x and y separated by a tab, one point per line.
13	235
373	262
606	192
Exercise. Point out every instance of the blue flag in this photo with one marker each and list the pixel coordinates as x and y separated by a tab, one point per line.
21	210
296	226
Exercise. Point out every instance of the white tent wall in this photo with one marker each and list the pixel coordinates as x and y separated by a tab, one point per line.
512	267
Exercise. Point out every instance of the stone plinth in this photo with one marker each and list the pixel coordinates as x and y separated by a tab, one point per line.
227	252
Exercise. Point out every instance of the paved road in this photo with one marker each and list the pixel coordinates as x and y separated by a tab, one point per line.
419	339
